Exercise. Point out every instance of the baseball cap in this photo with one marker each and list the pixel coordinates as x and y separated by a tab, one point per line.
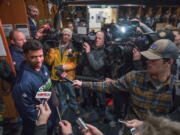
162	48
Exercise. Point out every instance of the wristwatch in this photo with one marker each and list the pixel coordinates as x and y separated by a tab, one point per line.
133	131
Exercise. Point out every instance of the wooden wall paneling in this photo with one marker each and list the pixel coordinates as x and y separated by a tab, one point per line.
129	11
46	12
149	12
114	15
8	58
40	6
139	12
177	14
159	11
120	11
5	88
13	12
30	2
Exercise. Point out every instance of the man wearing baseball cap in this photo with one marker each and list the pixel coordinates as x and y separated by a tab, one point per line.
149	90
162	48
161	54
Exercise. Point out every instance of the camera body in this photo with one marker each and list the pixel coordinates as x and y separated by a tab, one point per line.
50	39
122	39
78	40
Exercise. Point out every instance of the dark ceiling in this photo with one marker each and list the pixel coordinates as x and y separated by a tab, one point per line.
151	3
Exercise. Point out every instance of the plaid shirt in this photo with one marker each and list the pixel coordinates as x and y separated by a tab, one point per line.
145	94
178	75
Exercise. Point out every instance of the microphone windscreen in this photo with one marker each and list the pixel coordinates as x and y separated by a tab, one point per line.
63	75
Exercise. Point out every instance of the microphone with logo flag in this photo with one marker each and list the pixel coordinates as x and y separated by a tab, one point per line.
42	97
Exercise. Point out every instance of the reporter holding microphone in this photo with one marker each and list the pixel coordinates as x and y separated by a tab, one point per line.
66	129
64	58
41	123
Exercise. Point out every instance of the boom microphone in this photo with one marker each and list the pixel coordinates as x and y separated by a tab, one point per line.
55	102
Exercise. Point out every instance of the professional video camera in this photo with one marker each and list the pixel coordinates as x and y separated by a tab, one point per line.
122	39
121	31
52	35
78	41
51	38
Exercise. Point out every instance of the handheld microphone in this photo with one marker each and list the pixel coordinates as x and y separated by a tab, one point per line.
81	123
42	96
60	67
121	121
63	75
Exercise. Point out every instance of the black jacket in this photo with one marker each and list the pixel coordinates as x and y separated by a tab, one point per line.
41	130
93	64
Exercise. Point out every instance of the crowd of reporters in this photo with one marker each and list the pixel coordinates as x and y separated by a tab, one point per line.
90	62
